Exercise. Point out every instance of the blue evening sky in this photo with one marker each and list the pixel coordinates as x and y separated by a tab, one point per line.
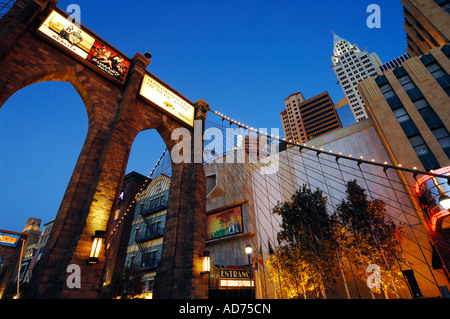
242	57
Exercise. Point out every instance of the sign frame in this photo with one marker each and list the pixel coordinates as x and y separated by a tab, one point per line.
167	100
85	46
236	278
229	221
6	240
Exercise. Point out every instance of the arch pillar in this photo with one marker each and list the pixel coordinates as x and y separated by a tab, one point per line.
89	200
179	270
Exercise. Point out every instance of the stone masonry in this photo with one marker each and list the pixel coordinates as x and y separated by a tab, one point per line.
116	115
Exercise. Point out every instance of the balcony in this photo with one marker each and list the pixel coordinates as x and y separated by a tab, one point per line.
155	206
149	235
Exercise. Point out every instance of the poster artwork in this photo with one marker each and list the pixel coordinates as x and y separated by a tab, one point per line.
108	61
225	223
79	42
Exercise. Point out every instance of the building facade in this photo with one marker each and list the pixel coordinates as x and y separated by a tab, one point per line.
351	66
427	24
394	63
145	244
306	119
18	255
34	252
410	105
410	108
244	195
120	231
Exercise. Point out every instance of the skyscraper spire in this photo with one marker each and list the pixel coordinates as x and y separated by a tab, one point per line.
351	66
337	38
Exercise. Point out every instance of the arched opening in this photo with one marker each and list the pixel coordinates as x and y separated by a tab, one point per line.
146	150
42	127
132	258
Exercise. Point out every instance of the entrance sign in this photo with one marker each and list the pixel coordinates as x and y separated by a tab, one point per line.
77	41
236	278
166	100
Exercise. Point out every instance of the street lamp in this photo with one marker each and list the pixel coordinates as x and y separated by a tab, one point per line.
97	241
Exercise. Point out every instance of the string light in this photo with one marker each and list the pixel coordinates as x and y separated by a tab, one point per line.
240	124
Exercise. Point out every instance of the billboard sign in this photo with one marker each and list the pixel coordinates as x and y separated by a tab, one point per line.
224	223
167	100
79	42
9	240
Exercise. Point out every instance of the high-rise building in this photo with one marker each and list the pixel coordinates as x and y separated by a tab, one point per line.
409	107
351	66
427	24
414	99
305	119
394	63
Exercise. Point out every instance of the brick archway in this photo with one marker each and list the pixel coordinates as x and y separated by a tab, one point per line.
116	115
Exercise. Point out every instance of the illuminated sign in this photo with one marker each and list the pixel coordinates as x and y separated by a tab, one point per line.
236	278
225	223
9	240
77	41
231	283
167	100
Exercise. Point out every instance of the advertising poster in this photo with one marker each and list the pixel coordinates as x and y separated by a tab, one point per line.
225	223
109	61
74	39
167	100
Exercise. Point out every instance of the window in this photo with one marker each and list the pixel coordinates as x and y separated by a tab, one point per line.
387	91
435	124
406	82
422	150
150	259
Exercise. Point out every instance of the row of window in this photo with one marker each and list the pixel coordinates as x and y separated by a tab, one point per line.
430	117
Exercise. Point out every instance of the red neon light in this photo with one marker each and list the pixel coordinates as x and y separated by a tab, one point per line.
425	178
436	217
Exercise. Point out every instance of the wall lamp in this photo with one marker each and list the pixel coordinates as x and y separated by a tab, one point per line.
206	263
97	242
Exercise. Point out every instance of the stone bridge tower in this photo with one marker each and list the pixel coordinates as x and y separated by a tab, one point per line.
34	48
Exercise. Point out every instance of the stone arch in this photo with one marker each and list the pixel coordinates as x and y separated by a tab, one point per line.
55	72
116	115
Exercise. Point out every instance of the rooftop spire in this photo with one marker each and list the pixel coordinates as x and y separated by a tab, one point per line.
336	38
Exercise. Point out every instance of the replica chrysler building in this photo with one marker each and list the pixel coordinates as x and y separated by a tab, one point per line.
351	67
